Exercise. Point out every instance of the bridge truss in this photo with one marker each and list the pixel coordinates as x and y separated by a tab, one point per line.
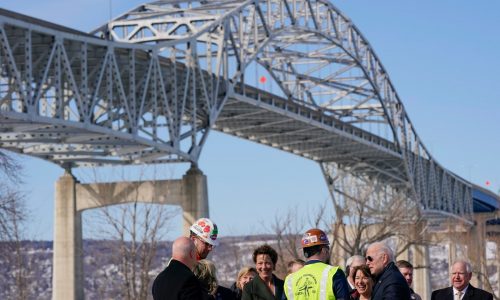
149	86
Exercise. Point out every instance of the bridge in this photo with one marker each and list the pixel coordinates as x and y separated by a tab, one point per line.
150	85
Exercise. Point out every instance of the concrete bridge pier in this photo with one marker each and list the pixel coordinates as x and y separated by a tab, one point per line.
67	277
421	272
195	200
72	198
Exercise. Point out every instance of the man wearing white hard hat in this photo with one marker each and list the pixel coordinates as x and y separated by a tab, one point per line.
203	232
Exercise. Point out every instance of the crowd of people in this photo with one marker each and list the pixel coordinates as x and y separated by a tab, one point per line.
375	276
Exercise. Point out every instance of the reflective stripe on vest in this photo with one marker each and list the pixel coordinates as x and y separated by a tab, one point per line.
324	279
290	287
324	289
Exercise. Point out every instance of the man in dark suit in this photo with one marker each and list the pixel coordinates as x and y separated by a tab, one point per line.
389	282
177	281
461	289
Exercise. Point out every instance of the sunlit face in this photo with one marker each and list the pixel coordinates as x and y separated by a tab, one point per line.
407	274
264	265
247	277
459	276
202	248
355	263
375	260
363	283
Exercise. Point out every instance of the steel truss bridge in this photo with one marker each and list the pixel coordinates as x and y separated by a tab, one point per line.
149	86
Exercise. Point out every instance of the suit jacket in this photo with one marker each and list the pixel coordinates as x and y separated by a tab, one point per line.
258	290
223	293
178	282
472	293
391	285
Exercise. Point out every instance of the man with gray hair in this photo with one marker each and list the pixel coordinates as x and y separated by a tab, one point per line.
389	283
351	263
461	274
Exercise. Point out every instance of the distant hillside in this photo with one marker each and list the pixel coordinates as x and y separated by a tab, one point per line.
103	278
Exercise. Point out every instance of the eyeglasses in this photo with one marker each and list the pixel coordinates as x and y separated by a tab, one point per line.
371	258
206	244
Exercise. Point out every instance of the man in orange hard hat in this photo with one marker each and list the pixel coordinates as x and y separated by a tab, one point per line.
317	279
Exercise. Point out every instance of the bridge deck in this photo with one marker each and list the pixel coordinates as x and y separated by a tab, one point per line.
273	121
74	99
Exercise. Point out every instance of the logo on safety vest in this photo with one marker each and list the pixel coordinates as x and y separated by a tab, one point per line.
306	286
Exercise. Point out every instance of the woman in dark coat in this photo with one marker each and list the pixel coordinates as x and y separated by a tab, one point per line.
266	286
245	275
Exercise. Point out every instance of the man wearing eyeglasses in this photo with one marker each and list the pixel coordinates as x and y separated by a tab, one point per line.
389	282
461	289
203	233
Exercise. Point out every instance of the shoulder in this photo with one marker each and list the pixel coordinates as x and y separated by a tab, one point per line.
441	292
392	274
479	293
338	272
177	265
391	285
179	272
224	293
415	296
278	281
252	285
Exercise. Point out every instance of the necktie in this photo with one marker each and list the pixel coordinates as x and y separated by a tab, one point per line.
458	295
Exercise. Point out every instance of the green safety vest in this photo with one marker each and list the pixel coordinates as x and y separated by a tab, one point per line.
312	282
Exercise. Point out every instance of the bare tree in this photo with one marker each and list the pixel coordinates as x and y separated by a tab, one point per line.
365	210
13	214
288	229
485	269
368	209
134	232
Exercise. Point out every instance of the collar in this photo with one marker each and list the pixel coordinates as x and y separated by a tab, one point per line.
312	261
463	291
388	266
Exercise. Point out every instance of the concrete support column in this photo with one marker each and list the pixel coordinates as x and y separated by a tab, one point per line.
338	256
404	255
195	202
476	244
67	279
421	274
497	244
452	252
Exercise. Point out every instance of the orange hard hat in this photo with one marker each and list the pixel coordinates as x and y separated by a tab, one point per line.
314	237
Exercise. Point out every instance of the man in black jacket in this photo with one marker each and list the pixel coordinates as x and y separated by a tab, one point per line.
177	281
461	274
389	283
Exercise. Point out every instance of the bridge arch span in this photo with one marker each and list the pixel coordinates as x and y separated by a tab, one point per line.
317	60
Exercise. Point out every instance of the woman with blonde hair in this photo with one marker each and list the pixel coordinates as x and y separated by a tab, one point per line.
245	275
206	273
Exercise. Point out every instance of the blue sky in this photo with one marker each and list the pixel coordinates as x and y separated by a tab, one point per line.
442	56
